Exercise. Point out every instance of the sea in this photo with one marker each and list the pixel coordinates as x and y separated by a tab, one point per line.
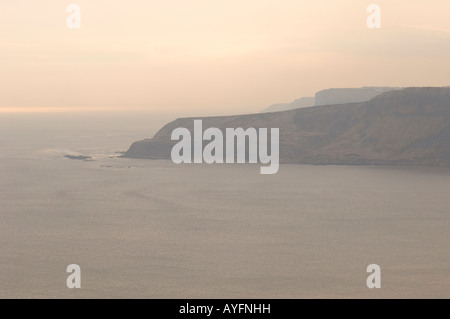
153	229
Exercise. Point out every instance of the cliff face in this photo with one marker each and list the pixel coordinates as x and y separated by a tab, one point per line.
409	126
352	95
333	96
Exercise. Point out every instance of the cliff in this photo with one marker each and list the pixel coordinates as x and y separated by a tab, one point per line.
351	95
403	127
332	96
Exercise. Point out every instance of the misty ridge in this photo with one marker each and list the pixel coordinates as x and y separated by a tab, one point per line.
376	126
333	96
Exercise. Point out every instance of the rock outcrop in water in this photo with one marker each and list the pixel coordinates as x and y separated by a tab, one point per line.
404	127
79	157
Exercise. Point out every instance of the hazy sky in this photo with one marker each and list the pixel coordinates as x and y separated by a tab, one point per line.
215	56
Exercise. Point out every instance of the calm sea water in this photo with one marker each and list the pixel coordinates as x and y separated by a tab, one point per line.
152	229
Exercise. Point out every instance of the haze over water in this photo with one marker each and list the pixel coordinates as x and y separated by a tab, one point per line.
142	228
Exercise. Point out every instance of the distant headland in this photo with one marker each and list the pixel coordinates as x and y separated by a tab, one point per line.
409	126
